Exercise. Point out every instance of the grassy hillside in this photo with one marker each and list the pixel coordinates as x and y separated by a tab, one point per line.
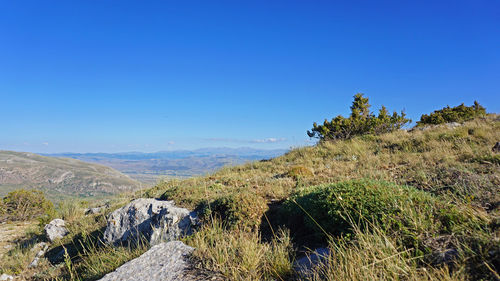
408	205
60	177
440	160
451	174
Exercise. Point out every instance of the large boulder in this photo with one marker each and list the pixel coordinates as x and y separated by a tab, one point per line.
155	220
55	229
165	262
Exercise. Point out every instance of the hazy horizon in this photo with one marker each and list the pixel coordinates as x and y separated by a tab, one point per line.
240	148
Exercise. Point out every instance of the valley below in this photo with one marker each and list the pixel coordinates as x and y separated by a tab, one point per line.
149	168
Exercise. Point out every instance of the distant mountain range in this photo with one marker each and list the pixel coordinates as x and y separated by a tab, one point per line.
149	167
60	177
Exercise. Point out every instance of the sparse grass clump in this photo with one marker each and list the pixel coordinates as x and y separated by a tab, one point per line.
96	259
240	255
376	255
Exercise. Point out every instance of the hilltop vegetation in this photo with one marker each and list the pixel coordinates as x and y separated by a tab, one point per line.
60	177
360	122
402	205
449	114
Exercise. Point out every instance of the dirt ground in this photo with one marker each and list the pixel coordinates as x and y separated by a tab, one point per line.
10	232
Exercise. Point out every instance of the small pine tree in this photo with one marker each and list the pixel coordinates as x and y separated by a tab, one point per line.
460	113
360	122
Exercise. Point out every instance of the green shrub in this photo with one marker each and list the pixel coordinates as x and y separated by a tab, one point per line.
448	114
360	122
242	208
330	207
335	208
21	205
2	209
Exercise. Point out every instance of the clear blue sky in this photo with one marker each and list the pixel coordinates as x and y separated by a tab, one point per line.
122	75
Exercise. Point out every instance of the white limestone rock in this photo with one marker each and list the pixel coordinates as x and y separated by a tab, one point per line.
163	262
55	229
42	248
155	220
6	277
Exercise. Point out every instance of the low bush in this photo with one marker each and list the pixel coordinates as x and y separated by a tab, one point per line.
331	210
21	205
241	208
448	114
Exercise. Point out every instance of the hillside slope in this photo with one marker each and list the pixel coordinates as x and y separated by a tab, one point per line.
426	192
60	177
409	205
438	159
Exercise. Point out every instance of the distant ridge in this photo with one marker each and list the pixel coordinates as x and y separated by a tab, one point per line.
149	167
60	177
246	152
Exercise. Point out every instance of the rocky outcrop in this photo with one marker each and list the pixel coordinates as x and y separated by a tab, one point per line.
155	220
55	229
165	262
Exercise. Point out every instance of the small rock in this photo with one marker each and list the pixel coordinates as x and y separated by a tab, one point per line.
92	211
165	262
55	229
445	257
156	220
304	264
496	147
453	125
5	277
42	246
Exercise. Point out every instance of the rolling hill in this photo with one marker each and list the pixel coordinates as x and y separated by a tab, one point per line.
60	177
